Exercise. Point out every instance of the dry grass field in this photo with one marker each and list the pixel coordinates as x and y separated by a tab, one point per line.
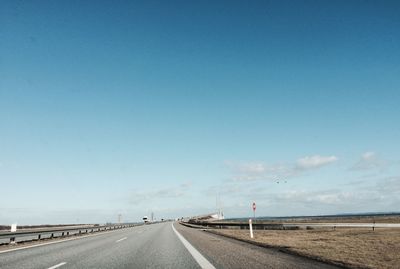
355	248
352	219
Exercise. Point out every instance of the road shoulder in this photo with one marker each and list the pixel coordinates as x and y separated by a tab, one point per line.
226	252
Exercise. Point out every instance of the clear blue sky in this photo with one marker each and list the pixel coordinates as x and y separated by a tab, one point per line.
133	107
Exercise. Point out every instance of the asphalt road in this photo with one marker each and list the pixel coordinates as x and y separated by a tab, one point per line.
151	246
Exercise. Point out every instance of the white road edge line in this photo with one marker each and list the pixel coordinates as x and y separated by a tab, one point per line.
57	265
203	262
122	239
55	242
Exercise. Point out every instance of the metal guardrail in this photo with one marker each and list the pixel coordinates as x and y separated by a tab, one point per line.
38	234
238	225
291	226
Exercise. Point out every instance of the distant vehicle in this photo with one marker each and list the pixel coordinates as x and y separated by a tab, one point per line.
146	219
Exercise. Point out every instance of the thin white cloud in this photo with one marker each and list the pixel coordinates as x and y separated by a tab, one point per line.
328	197
384	195
186	184
385	190
139	197
369	161
272	172
255	168
314	162
248	171
389	185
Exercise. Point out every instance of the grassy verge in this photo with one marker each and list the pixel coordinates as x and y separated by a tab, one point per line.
354	248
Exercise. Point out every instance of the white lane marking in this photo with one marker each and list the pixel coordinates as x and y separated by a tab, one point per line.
57	265
203	262
122	239
56	242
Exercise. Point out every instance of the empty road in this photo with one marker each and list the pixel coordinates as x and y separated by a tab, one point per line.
162	245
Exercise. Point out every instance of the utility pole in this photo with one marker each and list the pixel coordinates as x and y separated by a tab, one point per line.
219	206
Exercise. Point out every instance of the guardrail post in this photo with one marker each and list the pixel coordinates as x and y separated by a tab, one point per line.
52	235
12	240
39	237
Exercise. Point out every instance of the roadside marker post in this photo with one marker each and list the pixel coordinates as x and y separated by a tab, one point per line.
13	230
251	229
